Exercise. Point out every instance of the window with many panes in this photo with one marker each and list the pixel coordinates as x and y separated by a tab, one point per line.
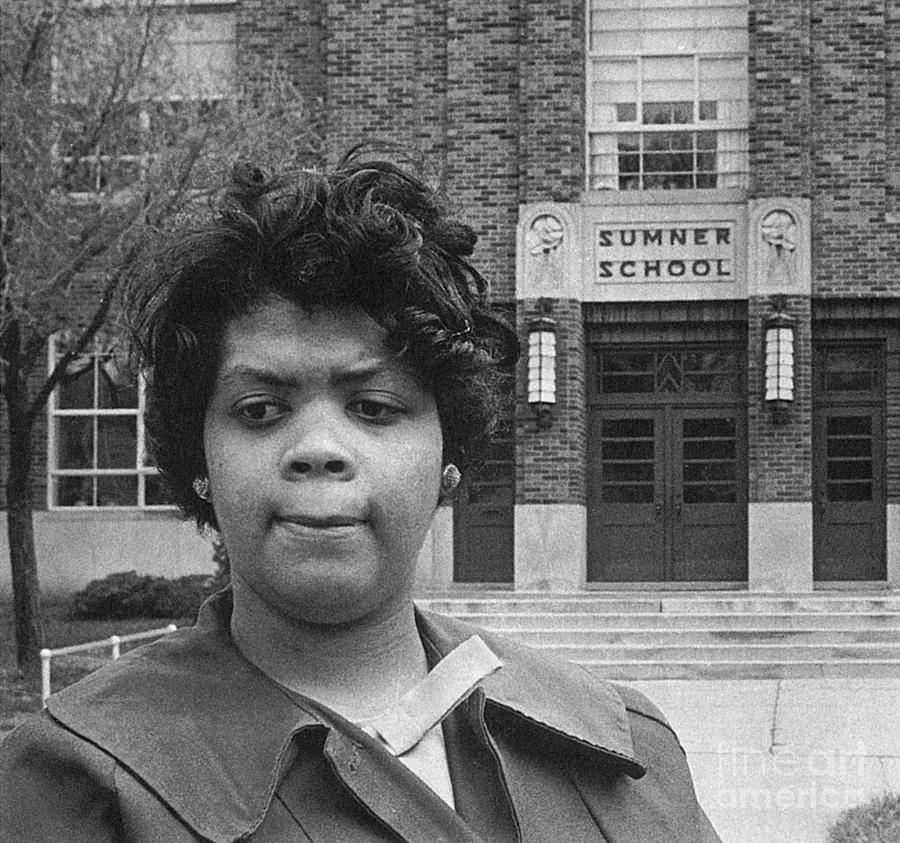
188	71
667	94
96	454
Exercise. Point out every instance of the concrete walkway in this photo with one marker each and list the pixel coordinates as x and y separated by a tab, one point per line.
775	761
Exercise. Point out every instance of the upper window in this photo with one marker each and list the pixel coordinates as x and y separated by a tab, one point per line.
96	454
129	84
667	94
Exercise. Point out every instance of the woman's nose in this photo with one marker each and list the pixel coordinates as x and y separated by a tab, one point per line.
318	450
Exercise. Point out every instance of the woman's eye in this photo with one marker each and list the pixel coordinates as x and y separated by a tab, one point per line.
375	411
259	410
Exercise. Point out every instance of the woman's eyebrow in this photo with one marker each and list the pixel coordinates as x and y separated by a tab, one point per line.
354	372
364	369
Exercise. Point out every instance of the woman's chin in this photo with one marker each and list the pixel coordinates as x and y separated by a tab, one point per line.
333	598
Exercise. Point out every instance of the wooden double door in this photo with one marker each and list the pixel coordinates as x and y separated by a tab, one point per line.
668	494
667	463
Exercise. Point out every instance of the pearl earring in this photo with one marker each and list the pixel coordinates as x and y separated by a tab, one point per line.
201	488
450	478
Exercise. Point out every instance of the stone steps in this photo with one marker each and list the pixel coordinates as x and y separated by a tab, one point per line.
670	635
767	669
615	602
636	637
508	623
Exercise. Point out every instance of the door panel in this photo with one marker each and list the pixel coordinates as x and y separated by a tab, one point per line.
483	519
626	540
709	530
849	528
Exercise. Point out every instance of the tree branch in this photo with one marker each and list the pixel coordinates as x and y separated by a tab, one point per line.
46	21
106	299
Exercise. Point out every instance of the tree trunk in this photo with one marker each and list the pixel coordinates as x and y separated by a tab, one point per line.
26	591
19	512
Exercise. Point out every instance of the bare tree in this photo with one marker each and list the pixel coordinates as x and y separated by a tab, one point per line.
113	130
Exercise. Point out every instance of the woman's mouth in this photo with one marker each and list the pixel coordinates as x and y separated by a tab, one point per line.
321	525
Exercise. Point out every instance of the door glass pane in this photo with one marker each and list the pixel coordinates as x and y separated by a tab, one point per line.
849	426
709	464
627	461
847	447
849	492
849	369
848	458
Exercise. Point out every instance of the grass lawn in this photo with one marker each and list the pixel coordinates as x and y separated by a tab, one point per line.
18	697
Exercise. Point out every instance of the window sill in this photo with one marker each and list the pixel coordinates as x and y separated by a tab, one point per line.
111	513
665	197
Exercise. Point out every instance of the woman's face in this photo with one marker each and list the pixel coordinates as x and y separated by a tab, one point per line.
324	457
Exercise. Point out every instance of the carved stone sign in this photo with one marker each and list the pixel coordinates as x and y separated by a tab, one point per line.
632	251
629	253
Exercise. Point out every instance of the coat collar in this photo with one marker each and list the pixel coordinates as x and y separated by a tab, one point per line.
213	736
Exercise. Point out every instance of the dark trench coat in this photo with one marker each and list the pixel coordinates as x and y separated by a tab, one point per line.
185	740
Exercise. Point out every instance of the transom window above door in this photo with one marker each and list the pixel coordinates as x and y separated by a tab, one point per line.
667	94
669	371
848	368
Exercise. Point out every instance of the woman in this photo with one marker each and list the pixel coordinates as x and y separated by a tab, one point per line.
322	367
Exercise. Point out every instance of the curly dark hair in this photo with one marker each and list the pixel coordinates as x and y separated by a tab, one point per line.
370	235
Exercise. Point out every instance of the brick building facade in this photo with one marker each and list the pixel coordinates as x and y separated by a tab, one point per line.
660	187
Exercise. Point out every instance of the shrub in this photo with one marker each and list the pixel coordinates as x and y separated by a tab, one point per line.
130	595
876	821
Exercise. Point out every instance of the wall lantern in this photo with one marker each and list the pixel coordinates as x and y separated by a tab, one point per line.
542	366
779	344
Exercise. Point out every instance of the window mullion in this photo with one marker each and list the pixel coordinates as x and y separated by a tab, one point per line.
640	90
52	404
140	449
696	109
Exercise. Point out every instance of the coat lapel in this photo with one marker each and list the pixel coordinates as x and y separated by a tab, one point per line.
555	695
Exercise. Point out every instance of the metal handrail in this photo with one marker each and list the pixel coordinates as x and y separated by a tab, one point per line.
114	642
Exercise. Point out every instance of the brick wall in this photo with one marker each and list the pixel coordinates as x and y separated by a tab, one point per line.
780	454
371	72
38	445
552	100
285	35
892	41
483	130
851	240
779	74
551	463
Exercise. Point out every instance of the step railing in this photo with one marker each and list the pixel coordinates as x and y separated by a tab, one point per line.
114	642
